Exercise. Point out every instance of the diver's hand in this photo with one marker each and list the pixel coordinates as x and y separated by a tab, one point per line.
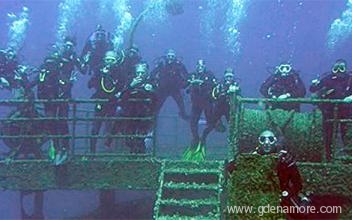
73	77
118	95
232	89
86	58
106	69
4	83
348	98
315	81
136	81
196	81
284	96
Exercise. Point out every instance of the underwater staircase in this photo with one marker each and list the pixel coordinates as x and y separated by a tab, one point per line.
190	190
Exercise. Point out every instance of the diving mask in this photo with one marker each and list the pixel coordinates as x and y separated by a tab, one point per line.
339	68
283	69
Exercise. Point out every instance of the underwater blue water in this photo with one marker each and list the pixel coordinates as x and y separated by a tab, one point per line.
262	35
270	32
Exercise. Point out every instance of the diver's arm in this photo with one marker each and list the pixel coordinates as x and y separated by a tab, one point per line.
318	84
183	71
265	87
300	89
77	61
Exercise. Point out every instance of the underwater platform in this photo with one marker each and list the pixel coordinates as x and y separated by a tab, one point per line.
201	189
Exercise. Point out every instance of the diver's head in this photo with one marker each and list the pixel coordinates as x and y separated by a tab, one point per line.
340	66
110	58
170	55
267	142
133	50
10	54
100	34
142	70
99	27
284	69
200	67
52	59
69	43
229	75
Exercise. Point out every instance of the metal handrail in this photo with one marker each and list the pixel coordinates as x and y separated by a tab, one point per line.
76	136
73	119
69	101
78	119
293	100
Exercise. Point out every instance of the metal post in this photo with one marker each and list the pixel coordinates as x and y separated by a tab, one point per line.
235	105
154	135
87	129
334	134
74	121
176	131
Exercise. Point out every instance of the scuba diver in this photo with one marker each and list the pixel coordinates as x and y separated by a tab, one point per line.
21	88
221	94
286	169
138	100
8	65
336	85
56	79
200	85
291	182
131	58
290	179
24	147
171	76
48	88
109	83
98	43
284	83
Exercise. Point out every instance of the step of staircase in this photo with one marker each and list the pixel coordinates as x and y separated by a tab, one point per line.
190	190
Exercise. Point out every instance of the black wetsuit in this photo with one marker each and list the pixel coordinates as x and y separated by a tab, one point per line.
334	87
171	79
221	106
55	82
201	100
94	51
277	85
7	67
108	83
138	101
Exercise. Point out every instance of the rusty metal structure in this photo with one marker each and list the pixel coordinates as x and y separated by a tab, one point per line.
184	189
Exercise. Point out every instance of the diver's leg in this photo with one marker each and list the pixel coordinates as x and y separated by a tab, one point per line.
176	95
195	116
109	124
95	131
140	145
38	205
24	215
162	95
107	202
64	129
50	111
212	120
227	113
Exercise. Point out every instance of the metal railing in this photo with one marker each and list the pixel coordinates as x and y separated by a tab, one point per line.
74	119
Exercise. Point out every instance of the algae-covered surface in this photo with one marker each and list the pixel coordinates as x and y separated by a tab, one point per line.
254	183
302	132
